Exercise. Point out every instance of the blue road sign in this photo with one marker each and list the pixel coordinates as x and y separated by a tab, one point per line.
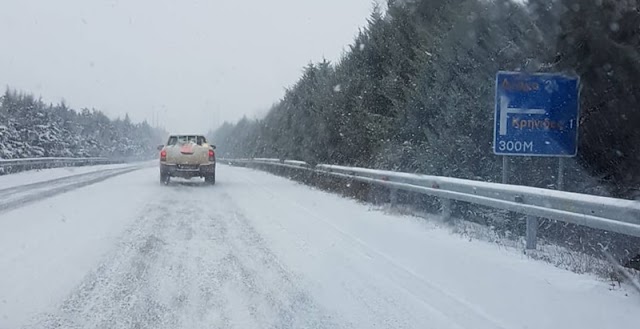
536	114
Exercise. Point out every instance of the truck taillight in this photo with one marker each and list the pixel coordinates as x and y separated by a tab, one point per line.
212	156
163	155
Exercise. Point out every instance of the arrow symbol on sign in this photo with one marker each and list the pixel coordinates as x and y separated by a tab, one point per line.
505	110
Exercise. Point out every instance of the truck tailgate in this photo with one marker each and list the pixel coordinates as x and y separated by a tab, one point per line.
187	154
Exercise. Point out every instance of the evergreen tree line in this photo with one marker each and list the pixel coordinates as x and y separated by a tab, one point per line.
31	128
415	93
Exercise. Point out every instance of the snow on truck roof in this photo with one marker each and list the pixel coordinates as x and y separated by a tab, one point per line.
174	135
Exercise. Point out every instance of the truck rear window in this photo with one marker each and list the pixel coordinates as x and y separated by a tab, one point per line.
173	140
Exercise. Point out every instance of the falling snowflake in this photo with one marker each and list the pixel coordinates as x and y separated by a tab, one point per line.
337	88
614	26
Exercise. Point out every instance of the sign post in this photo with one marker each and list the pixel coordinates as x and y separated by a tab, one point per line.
505	169
536	115
560	184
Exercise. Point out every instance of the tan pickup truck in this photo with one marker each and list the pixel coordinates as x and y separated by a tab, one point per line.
187	156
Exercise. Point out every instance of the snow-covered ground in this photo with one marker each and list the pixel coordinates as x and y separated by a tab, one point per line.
259	251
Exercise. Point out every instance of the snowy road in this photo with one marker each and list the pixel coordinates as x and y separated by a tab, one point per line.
15	196
259	251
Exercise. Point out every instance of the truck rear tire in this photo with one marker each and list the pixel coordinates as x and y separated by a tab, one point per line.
164	179
211	179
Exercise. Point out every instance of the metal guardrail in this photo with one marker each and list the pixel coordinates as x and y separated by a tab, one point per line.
609	214
16	165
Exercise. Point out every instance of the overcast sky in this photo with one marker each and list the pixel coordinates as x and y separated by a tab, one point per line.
194	62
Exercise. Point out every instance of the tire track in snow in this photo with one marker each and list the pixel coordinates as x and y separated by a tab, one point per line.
190	261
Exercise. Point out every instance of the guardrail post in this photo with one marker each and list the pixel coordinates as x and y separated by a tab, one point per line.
393	197
532	232
446	209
